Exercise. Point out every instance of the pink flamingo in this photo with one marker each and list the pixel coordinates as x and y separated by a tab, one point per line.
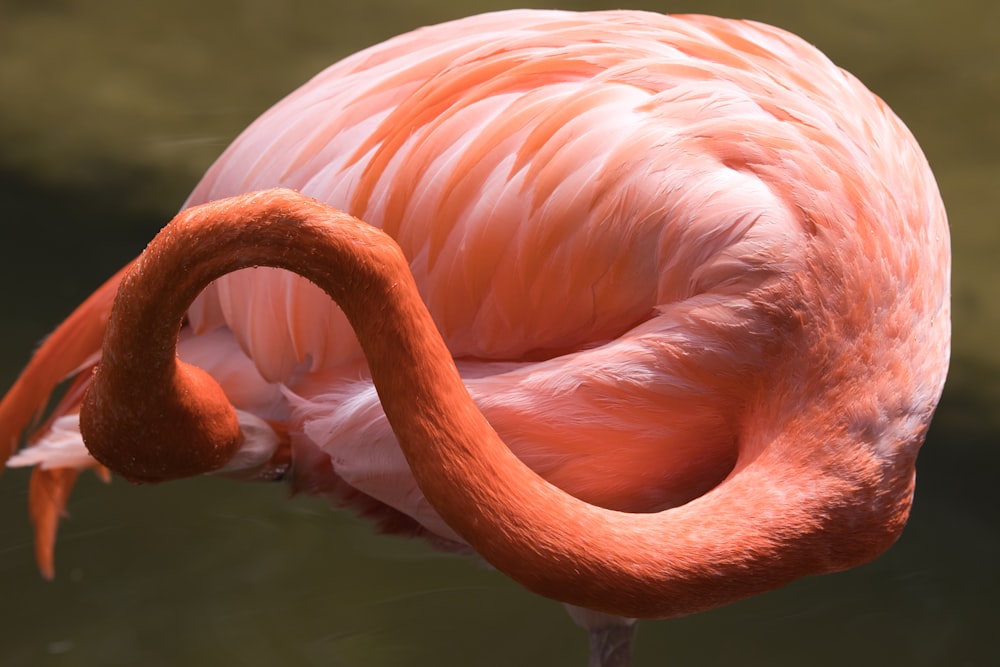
652	312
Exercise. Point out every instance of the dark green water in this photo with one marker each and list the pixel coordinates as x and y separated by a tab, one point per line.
108	114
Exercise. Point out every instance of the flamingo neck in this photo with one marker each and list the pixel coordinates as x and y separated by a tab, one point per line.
148	416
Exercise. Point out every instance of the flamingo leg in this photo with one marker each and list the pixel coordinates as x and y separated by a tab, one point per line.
610	637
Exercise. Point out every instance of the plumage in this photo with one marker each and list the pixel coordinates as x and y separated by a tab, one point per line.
653	245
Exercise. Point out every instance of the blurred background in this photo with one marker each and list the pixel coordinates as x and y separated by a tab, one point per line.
110	111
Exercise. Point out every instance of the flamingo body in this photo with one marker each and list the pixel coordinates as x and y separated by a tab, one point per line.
654	246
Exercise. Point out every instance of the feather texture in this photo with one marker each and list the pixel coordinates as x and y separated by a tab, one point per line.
585	200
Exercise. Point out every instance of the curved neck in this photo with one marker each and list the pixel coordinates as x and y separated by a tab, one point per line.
144	403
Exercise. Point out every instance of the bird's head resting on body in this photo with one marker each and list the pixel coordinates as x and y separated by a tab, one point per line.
804	497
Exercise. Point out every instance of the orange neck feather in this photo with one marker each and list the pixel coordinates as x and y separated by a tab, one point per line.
150	417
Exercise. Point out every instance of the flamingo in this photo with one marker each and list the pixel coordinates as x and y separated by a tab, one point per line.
649	312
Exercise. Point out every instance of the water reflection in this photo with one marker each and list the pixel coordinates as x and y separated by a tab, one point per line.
110	113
